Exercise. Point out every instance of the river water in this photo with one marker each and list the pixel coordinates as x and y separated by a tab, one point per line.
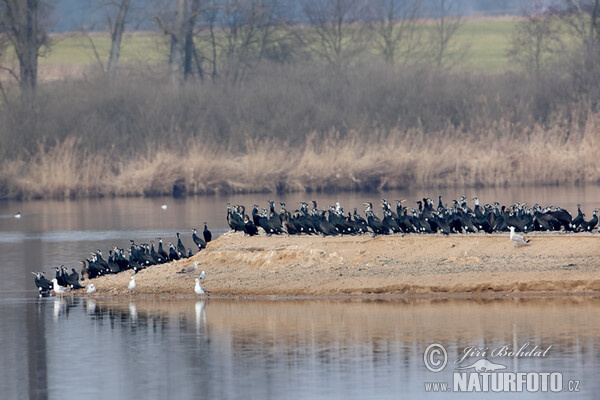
322	348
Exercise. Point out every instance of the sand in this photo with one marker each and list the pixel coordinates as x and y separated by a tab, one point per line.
475	264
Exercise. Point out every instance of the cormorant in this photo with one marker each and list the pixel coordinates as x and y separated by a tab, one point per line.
60	276
158	259
249	227
207	234
173	255
112	265
161	251
73	279
180	247
591	224
198	240
44	285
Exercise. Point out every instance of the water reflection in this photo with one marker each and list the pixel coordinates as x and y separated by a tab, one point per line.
279	349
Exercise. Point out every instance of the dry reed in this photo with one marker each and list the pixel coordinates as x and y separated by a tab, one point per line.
497	157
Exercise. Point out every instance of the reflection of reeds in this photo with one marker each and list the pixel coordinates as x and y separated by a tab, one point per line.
395	160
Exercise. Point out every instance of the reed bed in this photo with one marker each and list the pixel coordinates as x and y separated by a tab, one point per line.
499	156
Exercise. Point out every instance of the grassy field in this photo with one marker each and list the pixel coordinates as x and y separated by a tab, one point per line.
487	41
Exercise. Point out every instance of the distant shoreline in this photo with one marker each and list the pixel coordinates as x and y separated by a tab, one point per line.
435	266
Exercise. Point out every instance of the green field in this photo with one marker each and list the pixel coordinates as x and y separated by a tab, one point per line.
487	42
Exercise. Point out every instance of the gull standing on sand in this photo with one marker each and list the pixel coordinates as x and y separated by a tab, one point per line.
90	289
198	289
190	268
202	275
131	284
57	288
518	239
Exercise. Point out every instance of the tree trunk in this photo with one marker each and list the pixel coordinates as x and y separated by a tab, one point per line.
116	36
177	58
190	48
28	57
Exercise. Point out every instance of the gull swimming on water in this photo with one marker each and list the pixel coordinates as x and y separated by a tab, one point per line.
518	239
198	289
131	284
164	207
91	288
18	215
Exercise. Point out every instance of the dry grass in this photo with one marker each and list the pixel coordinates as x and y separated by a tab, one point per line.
496	157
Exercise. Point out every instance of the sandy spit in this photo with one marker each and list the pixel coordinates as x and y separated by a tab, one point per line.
473	264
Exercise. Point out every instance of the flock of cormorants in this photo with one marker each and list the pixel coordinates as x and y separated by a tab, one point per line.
425	218
138	257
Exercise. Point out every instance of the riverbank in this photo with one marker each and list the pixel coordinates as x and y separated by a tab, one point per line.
472	264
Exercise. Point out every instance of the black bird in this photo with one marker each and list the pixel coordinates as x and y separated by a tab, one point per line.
198	240
73	279
155	255
173	254
360	222
144	256
578	220
180	246
373	222
235	221
207	234
100	261
326	227
44	285
288	224
563	216
60	276
591	224
249	227
120	259
112	265
161	251
134	263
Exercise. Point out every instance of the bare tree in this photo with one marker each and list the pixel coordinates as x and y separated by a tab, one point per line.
22	22
337	32
535	39
250	29
3	47
395	23
116	34
582	21
447	21
181	31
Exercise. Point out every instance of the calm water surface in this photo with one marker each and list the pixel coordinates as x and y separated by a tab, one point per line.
79	348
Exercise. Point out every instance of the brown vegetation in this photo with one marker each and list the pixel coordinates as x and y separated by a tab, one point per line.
382	161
